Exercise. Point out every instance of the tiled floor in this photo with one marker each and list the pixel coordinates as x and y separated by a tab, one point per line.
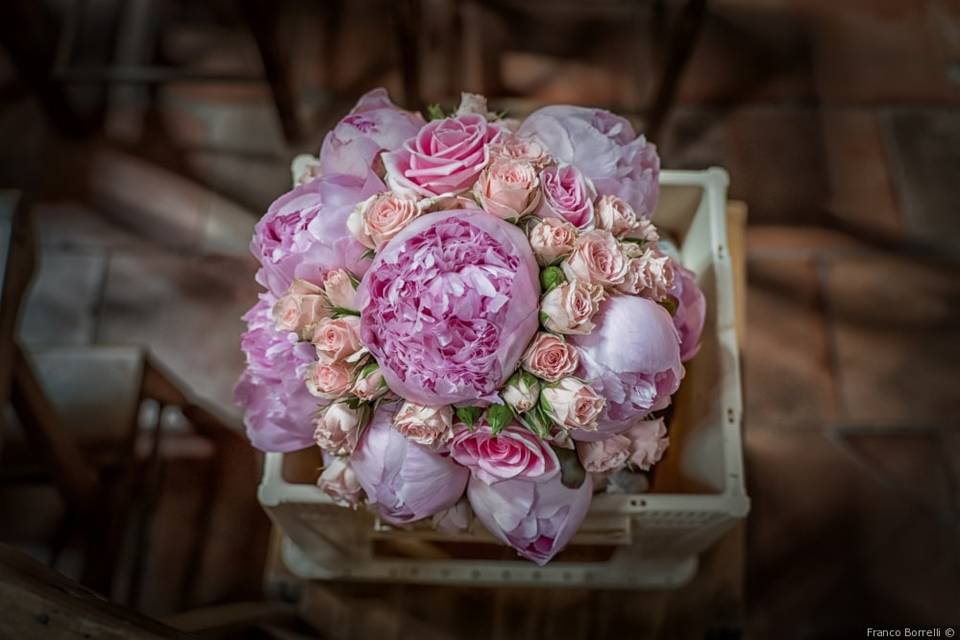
838	122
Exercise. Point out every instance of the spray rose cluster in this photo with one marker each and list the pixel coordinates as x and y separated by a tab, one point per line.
470	315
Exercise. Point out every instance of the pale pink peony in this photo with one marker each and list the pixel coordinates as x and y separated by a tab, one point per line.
445	157
300	309
605	455
550	357
339	481
379	218
537	519
329	380
374	125
449	306
552	239
508	188
405	480
337	339
338	285
570	307
337	429
429	426
567	195
596	258
513	453
616	216
573	404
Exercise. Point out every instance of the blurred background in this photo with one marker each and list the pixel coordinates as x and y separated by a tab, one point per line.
141	140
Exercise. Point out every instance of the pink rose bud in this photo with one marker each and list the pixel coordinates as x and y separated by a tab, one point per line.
596	258
567	195
337	339
378	218
514	453
336	429
338	285
329	380
340	483
651	275
472	103
508	189
370	383
429	426
552	239
648	441
605	455
517	148
521	391
550	357
300	309
616	216
569	307
572	404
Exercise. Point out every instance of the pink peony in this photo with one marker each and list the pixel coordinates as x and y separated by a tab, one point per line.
537	519
445	157
632	359
691	310
508	188
605	148
339	481
278	409
550	357
567	195
449	306
304	233
406	481
375	124
514	453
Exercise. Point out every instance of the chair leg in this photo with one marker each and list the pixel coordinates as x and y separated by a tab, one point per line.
683	38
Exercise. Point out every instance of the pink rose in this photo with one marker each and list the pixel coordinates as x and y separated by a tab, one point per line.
616	216
445	157
329	380
370	386
604	455
596	258
521	391
648	441
569	307
516	148
338	285
379	218
300	310
337	339
429	426
339	481
573	404
567	195
651	275
550	357
512	453
508	189
552	239
537	519
336	429
644	231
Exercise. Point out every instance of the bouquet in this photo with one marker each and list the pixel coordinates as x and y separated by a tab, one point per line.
471	316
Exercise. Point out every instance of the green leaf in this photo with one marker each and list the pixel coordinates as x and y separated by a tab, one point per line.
498	417
544	404
640	241
670	304
468	415
551	278
368	255
572	473
339	312
367	369
435	112
543	318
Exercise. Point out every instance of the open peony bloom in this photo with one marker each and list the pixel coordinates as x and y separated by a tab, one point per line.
632	359
444	158
691	310
515	452
375	124
604	147
449	305
278	409
407	481
304	232
537	519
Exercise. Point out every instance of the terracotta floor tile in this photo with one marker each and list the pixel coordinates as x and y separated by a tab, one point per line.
788	383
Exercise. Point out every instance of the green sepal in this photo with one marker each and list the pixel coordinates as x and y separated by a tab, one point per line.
339	312
498	417
367	369
435	112
468	415
368	255
670	304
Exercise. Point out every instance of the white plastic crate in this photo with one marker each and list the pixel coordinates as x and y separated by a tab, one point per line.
626	541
